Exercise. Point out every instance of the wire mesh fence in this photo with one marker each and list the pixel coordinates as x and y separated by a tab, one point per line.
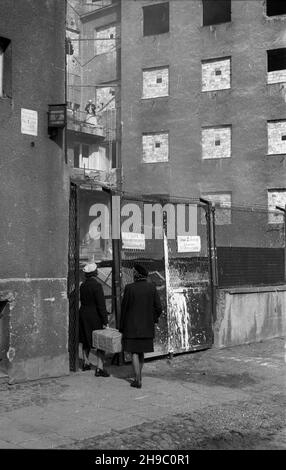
179	266
250	246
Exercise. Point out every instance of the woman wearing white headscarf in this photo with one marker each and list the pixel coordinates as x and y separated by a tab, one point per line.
92	316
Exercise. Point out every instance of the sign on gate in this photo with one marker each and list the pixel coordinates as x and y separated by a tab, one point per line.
133	241
189	244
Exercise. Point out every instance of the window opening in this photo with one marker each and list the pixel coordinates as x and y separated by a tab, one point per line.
275	7
276	59
156	19
215	12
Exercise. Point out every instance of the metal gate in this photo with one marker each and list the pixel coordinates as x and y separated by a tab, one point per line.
189	286
182	274
73	277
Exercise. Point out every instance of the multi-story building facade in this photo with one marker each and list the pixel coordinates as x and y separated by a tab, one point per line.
199	89
34	192
203	99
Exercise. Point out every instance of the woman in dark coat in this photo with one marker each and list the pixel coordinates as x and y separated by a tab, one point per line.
92	316
140	310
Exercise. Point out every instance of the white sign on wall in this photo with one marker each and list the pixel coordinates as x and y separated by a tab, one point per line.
29	121
133	241
189	243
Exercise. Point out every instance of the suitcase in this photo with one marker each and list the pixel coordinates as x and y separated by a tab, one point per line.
109	340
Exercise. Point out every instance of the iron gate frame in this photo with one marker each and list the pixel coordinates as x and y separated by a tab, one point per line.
73	277
209	209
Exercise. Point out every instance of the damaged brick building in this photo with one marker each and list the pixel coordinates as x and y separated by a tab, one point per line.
203	99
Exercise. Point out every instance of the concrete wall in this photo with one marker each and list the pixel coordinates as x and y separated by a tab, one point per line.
247	105
247	315
34	187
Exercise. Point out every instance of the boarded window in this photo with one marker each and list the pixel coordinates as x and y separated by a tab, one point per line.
276	131
155	147
5	68
105	39
105	98
276	65
275	7
155	82
216	74
215	12
216	142
222	203
156	19
276	197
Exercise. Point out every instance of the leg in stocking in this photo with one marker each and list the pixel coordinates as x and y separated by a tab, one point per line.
100	358
136	367
141	363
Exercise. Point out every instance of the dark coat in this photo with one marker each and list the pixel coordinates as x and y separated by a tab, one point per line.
140	310
92	312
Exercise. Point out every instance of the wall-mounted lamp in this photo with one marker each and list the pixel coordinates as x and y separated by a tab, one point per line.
57	116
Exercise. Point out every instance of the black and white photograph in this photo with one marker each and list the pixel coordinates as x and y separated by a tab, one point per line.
143	231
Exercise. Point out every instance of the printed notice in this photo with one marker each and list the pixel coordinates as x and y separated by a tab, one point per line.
29	122
133	241
187	244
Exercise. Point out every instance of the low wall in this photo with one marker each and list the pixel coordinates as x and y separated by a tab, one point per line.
247	315
36	328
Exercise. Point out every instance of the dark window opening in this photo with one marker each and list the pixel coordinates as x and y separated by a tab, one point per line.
217	142
157	144
3	304
218	72
275	7
6	68
85	151
215	12
283	137
159	80
276	59
76	152
156	19
114	155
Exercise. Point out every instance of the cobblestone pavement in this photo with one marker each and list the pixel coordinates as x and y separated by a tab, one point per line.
232	398
243	425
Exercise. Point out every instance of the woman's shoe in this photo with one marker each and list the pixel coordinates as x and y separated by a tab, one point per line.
86	367
135	384
101	373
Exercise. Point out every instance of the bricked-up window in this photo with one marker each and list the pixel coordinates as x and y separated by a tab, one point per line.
105	98
216	142
276	137
276	65
276	197
5	68
155	82
155	147
215	12
222	202
216	74
105	39
275	7
156	19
